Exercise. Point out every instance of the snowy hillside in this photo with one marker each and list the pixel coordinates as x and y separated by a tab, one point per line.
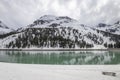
114	28
63	32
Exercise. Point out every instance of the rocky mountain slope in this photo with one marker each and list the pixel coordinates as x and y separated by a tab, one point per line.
63	32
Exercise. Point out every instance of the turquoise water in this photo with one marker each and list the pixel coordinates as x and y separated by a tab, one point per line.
61	57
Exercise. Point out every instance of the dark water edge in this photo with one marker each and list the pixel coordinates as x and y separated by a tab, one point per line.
39	49
61	57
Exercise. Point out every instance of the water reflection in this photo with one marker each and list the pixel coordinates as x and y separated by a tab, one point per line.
60	57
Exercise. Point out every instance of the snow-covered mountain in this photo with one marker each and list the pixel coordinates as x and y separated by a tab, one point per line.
63	32
4	29
114	28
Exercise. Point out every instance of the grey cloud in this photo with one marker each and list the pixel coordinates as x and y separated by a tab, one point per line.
17	13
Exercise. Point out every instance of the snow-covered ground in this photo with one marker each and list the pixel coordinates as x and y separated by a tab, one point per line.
10	71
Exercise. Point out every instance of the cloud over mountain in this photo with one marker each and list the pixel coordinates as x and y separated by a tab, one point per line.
17	13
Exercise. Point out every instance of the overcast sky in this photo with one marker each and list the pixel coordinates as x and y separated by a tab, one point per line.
18	13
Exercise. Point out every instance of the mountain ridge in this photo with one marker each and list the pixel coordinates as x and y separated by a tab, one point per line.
63	32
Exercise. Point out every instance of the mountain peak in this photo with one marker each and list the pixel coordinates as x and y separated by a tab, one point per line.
47	17
52	17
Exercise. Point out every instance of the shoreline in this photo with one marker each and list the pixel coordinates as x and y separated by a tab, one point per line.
37	49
